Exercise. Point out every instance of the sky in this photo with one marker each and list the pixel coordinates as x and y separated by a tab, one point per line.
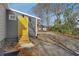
24	7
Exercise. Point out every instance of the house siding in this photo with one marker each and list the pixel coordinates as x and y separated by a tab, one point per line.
2	22
12	26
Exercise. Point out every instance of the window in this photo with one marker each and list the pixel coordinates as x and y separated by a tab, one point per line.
12	16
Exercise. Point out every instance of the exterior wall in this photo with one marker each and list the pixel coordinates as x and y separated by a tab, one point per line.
12	26
2	22
32	26
2	26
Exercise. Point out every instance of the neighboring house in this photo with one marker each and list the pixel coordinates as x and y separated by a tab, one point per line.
42	28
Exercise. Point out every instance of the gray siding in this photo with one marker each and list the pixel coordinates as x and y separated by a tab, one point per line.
32	28
2	22
12	27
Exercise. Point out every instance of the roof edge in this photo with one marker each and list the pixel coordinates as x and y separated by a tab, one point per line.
23	13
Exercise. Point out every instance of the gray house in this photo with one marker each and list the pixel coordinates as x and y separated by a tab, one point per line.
9	23
12	23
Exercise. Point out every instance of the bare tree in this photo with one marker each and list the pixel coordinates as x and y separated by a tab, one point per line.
43	11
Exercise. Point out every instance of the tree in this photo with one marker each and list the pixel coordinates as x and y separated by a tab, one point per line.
70	18
57	9
43	11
